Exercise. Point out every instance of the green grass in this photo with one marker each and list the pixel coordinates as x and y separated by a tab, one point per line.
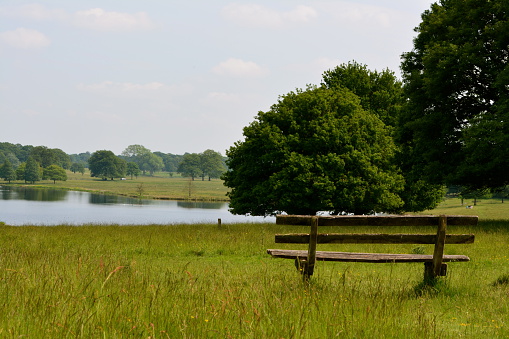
159	186
485	208
199	281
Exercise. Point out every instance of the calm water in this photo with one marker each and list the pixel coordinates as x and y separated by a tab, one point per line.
22	206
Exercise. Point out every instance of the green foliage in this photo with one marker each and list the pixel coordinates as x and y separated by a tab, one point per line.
455	128
146	160
77	167
54	172
7	172
104	164
32	171
379	92
190	166
47	156
133	169
315	150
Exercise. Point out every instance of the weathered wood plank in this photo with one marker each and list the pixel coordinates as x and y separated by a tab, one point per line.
310	264
366	238
363	257
438	252
362	220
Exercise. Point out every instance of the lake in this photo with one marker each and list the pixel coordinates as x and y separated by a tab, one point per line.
46	207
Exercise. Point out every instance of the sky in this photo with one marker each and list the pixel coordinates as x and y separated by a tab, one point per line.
177	76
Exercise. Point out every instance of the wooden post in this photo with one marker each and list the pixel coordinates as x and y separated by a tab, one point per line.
219	222
438	253
309	266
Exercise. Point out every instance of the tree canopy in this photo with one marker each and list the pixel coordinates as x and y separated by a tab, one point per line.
315	150
32	171
104	164
54	172
454	129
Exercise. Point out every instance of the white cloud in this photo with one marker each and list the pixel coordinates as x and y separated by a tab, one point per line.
24	38
99	19
255	15
239	68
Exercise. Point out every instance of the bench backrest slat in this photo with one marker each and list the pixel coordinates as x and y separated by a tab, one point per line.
351	238
361	220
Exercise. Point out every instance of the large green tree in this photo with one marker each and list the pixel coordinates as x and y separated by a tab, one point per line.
315	150
381	93
455	129
105	164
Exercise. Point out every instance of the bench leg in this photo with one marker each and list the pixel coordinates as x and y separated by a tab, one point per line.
429	271
304	268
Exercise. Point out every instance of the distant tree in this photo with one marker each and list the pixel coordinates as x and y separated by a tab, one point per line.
150	162
133	169
81	158
77	167
171	161
32	171
44	156
7	172
104	164
134	151
211	164
190	165
63	159
54	172
501	193
20	171
51	156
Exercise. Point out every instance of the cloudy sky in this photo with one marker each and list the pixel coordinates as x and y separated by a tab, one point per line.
177	76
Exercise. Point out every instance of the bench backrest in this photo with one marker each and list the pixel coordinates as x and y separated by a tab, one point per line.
363	238
371	220
439	239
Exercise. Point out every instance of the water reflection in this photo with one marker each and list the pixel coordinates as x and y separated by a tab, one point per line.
202	204
22	206
30	194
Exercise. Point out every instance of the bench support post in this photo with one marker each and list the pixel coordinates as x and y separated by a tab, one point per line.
309	265
436	267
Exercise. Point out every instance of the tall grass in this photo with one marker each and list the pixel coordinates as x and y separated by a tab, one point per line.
199	281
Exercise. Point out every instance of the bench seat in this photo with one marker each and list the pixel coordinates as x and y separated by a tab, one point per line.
363	257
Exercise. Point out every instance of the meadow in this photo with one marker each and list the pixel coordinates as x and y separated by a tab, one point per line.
158	186
201	281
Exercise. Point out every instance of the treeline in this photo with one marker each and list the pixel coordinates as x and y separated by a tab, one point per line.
33	163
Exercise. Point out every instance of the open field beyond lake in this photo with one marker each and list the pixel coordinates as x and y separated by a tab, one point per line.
199	281
159	186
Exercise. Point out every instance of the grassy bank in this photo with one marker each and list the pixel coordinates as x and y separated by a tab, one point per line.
159	186
198	281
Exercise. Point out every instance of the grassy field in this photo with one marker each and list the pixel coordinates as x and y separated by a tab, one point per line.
485	209
159	186
199	281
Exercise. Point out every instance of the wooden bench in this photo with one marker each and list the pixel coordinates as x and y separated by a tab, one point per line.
434	265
